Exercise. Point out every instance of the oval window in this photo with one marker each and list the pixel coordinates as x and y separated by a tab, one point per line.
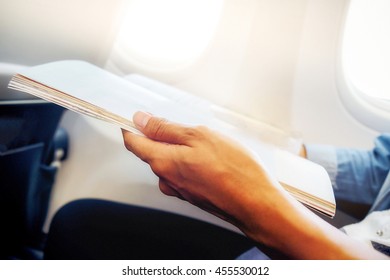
365	62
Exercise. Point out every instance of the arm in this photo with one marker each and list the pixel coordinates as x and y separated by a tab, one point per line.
217	175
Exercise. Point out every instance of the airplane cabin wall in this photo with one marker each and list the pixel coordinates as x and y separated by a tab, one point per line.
39	31
274	61
249	66
317	110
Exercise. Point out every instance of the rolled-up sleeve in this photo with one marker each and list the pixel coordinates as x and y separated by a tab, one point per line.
356	175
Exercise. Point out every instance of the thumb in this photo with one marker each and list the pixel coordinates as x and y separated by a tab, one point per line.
160	129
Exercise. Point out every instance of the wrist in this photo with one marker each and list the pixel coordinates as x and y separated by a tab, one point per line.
285	226
267	214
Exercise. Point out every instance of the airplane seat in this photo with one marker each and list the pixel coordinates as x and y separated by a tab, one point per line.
31	146
95	229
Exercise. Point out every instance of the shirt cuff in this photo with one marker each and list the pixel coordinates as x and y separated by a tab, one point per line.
325	156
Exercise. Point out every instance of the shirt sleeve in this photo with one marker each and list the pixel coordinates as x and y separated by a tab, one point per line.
356	175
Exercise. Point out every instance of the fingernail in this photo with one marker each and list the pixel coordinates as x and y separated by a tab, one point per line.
141	119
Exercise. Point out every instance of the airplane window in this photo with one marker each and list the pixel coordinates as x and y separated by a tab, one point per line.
167	34
365	57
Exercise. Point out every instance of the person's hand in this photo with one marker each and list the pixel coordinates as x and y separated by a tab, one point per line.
202	167
219	176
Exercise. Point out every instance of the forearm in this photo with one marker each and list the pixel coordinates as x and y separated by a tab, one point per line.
291	229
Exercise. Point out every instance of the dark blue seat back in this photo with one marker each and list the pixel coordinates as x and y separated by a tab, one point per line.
27	131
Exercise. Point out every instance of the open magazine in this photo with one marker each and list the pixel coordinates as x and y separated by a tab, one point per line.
87	89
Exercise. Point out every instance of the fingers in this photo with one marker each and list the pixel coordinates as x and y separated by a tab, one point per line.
141	119
141	146
166	189
157	131
160	129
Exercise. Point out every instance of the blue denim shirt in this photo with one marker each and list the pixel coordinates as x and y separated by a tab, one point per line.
360	176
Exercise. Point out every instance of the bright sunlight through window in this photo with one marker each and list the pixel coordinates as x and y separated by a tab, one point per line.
167	34
366	48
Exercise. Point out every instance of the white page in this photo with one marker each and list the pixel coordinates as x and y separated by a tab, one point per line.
312	178
106	90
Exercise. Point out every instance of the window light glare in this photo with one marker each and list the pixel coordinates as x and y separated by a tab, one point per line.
170	32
